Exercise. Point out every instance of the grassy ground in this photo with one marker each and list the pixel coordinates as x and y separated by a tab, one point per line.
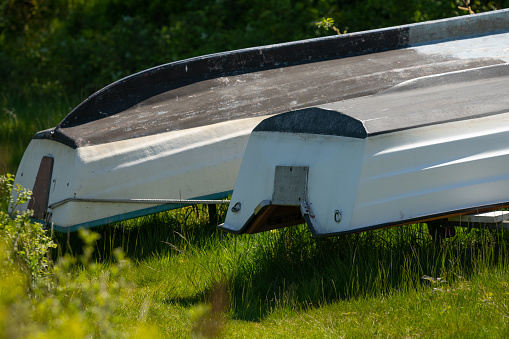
186	278
389	283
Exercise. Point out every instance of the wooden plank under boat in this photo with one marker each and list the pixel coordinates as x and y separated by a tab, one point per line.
179	131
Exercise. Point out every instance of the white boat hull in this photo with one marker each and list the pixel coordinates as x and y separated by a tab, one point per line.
178	165
376	179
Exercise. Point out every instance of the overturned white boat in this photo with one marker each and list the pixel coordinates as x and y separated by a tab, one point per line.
428	148
160	138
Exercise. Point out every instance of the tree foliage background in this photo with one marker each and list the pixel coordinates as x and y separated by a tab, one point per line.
75	47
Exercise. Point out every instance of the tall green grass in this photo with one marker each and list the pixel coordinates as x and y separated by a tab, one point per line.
287	276
21	117
290	269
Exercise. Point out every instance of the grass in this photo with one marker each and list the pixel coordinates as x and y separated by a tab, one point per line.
21	117
186	278
288	283
388	283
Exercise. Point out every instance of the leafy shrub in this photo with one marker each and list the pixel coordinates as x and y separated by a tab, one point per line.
77	47
75	298
27	242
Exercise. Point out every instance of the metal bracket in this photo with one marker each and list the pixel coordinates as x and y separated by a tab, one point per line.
141	201
309	216
290	185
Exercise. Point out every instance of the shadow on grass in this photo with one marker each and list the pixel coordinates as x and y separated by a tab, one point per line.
288	269
146	236
292	270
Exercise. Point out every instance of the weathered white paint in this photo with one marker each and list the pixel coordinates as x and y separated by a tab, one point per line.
434	169
334	167
382	179
491	46
179	164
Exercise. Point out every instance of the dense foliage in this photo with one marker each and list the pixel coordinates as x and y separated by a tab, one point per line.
73	298
78	46
27	242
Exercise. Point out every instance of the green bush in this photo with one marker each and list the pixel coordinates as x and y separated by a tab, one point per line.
74	298
77	47
26	242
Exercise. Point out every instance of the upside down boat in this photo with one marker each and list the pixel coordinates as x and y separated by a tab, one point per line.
348	133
